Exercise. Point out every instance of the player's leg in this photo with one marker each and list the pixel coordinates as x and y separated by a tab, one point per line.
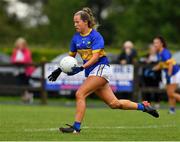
106	94
171	92
172	96
177	96
177	81
91	84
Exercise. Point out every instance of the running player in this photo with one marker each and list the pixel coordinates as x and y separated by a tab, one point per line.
171	69
90	45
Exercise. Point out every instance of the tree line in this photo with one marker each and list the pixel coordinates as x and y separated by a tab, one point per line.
119	20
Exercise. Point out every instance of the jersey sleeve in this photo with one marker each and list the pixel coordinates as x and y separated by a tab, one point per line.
73	49
97	43
166	56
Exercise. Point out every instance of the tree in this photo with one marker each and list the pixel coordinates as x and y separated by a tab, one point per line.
141	20
105	26
120	20
10	27
60	13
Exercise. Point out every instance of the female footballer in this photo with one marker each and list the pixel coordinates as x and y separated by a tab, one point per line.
90	45
171	69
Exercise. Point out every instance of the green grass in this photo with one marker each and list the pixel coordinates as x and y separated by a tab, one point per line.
40	123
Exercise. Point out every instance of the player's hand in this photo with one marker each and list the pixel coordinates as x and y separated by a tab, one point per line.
168	79
54	75
75	70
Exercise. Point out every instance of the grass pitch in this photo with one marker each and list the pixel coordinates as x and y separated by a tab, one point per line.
40	123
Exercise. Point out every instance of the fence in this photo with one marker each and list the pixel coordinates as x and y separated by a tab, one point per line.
137	90
8	69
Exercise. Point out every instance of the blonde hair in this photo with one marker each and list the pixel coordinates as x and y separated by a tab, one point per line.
87	15
20	41
128	44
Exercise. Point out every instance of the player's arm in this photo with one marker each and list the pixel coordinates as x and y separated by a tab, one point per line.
157	67
93	60
72	54
73	49
170	63
170	69
97	47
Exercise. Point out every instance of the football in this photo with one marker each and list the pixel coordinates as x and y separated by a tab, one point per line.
67	63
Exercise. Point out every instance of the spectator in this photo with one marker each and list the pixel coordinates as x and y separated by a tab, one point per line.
21	56
151	78
151	57
129	54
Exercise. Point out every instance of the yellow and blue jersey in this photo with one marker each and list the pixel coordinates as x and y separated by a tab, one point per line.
165	58
86	45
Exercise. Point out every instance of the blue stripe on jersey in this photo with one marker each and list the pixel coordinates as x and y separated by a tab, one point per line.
164	56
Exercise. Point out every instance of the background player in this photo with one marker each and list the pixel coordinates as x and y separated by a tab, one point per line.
171	69
90	45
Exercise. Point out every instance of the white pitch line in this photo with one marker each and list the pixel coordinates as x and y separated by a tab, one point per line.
104	127
132	127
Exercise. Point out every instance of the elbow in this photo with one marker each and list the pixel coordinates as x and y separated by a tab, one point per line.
97	59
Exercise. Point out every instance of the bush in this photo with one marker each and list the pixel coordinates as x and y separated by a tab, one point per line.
48	52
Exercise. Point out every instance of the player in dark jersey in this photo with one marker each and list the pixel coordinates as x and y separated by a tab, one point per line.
171	70
90	45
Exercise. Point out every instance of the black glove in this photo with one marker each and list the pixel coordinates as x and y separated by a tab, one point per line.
54	75
75	70
148	72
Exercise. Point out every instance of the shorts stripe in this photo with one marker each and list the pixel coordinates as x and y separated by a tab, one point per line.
102	70
98	70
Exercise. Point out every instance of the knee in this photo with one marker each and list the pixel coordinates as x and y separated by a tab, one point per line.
115	104
170	93
79	95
